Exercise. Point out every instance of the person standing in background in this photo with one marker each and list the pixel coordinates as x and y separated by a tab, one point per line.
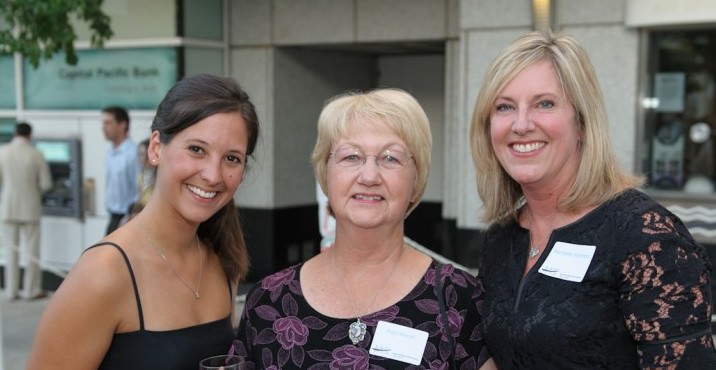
326	222
145	181
24	176
121	166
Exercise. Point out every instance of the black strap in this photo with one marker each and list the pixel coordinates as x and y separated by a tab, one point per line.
136	290
131	274
443	312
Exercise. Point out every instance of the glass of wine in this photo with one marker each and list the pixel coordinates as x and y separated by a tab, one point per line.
222	362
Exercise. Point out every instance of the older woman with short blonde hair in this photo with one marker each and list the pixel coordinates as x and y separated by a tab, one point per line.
370	300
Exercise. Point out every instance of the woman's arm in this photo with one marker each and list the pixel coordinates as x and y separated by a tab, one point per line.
665	296
77	326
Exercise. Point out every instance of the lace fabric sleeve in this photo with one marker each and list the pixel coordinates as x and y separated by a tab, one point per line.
665	296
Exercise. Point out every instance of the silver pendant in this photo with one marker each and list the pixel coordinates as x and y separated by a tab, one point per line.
356	332
533	252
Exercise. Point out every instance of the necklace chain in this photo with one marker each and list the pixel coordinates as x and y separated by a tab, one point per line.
194	291
357	329
534	246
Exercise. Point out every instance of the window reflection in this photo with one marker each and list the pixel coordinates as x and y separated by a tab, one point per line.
681	116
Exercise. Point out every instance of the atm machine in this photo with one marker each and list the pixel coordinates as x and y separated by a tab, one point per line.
65	160
62	212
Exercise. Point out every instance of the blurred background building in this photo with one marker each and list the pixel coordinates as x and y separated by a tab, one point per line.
656	60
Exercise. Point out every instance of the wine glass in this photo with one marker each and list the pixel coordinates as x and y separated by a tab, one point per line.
222	362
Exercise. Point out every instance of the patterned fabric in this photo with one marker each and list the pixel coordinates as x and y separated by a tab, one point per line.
644	302
280	330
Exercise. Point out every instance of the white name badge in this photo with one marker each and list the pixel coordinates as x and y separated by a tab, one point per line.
568	261
398	342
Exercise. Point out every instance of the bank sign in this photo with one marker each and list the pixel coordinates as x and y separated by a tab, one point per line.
133	78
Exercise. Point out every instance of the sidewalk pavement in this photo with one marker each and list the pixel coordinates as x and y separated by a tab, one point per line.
19	321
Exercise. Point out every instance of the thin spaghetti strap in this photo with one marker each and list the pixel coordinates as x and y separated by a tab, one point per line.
134	280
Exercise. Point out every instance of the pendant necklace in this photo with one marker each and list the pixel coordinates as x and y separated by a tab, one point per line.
194	291
534	251
358	329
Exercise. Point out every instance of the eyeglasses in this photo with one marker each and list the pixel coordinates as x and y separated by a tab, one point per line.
354	158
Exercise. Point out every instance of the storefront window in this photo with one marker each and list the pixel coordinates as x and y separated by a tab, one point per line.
7	129
680	130
7	81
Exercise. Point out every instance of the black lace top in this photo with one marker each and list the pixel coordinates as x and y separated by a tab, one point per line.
644	302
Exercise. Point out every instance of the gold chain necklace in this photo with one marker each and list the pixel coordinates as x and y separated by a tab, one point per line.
357	329
194	291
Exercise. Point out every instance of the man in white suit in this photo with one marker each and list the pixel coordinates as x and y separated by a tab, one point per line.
24	176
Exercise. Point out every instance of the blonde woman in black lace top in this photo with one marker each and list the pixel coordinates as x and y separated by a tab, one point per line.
581	270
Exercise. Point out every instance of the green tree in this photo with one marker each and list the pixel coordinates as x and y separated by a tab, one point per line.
41	28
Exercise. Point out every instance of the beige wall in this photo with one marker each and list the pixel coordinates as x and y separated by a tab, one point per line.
647	13
296	22
137	19
297	81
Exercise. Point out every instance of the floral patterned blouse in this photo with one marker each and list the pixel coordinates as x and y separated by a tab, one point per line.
280	330
644	302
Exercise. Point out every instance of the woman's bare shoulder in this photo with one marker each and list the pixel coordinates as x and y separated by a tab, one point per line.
100	270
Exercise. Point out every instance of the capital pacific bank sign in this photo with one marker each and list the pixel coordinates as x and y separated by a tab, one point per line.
134	78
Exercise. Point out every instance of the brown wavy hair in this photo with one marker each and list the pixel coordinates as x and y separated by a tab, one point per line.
188	102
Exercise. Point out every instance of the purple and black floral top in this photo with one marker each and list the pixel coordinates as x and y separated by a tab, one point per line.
280	330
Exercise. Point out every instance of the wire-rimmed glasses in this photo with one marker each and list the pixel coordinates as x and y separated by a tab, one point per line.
353	158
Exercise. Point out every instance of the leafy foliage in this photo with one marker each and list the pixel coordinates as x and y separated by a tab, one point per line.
42	28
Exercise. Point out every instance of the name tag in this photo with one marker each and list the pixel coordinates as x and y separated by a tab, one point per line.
399	343
568	261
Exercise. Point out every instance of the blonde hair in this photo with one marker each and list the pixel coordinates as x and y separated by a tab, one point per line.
394	108
598	177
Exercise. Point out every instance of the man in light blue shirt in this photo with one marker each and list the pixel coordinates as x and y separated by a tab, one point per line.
121	165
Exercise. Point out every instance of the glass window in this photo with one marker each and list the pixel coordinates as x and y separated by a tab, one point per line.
203	19
680	125
203	60
7	82
7	129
